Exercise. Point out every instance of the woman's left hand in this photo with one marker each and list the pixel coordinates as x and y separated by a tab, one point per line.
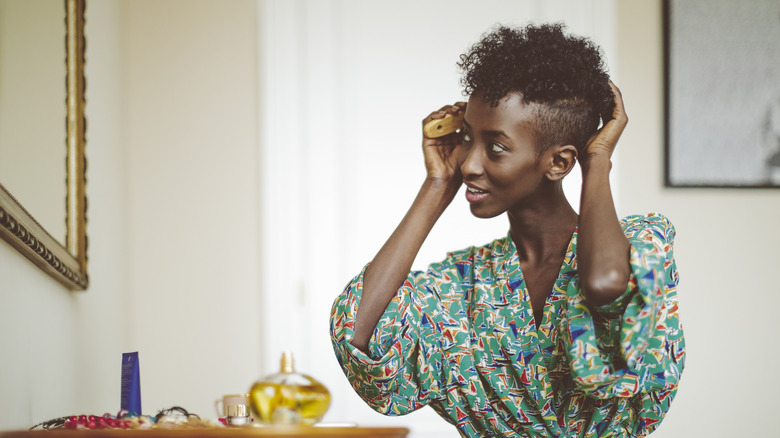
603	142
602	247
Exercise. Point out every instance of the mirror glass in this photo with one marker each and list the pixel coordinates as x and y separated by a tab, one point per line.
33	109
43	200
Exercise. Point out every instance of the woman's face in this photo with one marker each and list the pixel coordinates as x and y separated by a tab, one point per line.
499	162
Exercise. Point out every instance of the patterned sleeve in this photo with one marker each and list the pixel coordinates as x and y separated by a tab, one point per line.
640	351
403	370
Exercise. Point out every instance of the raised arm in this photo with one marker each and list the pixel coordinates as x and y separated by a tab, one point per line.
392	263
602	248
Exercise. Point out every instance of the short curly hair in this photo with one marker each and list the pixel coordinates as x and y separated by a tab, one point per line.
565	74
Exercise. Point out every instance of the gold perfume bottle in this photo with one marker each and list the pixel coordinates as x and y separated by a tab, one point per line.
288	397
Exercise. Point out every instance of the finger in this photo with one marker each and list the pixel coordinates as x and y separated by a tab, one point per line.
612	130
609	134
448	109
620	110
440	114
457	107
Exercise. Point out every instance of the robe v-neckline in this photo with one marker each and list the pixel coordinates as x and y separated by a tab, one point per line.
513	273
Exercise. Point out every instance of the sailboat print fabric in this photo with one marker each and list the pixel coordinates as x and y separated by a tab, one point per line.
461	337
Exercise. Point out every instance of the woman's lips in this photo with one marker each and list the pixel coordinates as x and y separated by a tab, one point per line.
474	194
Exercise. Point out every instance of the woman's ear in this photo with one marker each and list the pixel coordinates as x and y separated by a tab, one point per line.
562	161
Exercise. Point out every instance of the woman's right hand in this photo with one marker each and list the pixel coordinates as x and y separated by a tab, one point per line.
441	154
390	267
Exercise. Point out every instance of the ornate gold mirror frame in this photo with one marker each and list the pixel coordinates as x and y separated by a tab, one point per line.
67	264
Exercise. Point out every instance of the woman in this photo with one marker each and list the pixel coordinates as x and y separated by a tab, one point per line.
565	327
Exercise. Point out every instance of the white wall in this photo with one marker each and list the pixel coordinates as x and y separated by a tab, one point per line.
190	102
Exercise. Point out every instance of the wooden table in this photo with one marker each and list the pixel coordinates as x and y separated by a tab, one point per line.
217	432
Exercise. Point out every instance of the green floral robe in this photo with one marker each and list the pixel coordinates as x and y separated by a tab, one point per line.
461	338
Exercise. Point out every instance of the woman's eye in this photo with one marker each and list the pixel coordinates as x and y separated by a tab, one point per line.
466	137
495	147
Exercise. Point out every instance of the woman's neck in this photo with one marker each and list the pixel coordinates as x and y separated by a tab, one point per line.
542	230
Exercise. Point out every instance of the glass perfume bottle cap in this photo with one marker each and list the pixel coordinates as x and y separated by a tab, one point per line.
286	365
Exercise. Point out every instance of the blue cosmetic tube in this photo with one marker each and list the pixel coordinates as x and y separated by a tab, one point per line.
131	384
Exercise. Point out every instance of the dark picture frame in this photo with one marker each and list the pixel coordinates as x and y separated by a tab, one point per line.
722	93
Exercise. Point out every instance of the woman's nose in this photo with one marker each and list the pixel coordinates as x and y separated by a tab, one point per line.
471	162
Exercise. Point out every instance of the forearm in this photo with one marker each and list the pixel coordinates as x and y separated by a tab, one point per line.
391	265
602	248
